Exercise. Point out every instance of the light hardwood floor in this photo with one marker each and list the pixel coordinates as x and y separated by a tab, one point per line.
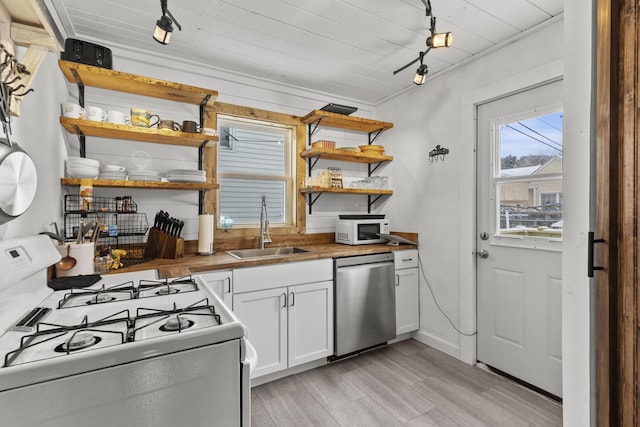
404	384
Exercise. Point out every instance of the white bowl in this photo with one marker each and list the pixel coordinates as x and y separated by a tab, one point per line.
76	171
113	168
81	161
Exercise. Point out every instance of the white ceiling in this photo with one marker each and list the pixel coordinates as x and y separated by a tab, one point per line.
348	48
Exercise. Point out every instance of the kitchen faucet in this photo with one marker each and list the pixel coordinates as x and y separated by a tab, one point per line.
265	234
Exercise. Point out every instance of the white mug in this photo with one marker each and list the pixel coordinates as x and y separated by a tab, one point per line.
118	117
73	111
96	114
209	131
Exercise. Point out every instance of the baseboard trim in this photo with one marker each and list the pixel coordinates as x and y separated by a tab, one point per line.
437	342
285	373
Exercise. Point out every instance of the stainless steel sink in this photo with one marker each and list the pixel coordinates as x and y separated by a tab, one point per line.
265	253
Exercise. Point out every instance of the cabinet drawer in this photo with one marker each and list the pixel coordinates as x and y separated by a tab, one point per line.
406	259
286	274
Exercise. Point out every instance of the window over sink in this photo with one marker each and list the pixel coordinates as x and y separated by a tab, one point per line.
256	157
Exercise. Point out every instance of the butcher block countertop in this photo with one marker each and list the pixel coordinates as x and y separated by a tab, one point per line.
194	264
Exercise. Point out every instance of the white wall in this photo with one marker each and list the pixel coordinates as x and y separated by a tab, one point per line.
38	132
436	199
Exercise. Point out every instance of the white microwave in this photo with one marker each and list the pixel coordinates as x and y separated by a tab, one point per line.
361	231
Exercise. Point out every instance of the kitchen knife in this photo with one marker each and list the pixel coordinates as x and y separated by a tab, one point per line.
180	225
156	221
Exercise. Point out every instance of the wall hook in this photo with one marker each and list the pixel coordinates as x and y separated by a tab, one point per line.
438	153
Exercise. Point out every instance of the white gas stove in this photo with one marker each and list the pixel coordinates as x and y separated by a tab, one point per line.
126	349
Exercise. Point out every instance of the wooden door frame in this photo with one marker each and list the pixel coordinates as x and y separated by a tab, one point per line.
618	204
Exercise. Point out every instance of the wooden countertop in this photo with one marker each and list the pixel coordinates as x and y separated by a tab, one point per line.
193	264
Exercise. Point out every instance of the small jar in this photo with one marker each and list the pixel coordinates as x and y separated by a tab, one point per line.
127	204
119	204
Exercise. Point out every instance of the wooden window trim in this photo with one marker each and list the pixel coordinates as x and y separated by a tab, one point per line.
248	237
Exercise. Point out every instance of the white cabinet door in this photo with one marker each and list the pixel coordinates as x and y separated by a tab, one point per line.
221	283
407	312
264	313
407	294
310	322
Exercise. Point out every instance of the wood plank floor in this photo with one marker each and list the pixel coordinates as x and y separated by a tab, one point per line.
404	384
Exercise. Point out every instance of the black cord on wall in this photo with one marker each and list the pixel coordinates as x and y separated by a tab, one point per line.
438	305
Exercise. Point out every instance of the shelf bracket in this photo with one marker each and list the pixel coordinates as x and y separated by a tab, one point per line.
372	202
374	135
312	163
80	84
201	167
315	128
375	168
312	200
203	106
81	138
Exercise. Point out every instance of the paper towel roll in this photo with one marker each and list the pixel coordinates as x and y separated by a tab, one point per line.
205	234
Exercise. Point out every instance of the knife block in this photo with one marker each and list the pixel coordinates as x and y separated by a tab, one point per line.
161	245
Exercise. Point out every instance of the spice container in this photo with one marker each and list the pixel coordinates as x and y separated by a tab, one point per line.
119	204
127	204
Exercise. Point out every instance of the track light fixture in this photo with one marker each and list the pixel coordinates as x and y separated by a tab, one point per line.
434	41
163	30
421	72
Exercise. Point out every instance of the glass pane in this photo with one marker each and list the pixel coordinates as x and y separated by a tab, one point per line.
529	187
240	199
248	151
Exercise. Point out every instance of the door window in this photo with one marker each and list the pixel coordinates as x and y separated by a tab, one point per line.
528	175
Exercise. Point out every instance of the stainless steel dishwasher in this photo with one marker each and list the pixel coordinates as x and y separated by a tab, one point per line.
365	302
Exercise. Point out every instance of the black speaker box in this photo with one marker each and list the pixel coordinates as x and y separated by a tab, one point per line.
87	53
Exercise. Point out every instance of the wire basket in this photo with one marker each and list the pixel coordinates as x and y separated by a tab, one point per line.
77	204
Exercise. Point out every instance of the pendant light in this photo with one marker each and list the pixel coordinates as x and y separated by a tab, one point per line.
163	30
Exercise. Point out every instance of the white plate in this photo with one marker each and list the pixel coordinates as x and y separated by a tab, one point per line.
143	178
189	172
144	173
187	179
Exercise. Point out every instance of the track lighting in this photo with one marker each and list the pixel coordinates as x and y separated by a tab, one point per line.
421	72
435	40
440	40
163	29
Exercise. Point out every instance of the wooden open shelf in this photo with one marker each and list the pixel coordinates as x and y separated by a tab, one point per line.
134	133
365	191
149	185
346	156
342	121
139	85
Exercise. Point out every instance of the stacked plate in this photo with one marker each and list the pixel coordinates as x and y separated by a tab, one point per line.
372	149
144	175
80	167
186	175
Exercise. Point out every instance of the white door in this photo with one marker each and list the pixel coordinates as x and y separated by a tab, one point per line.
310	322
519	235
264	313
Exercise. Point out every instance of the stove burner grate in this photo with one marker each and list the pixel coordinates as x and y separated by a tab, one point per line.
123	291
83	335
175	319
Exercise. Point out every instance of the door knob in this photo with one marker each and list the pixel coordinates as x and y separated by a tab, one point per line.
482	253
